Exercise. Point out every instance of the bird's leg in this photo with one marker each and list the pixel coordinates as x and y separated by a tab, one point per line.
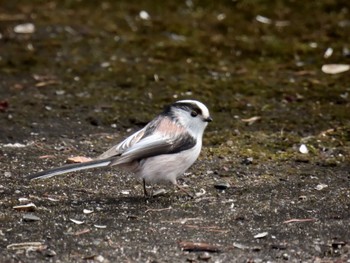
184	190
144	188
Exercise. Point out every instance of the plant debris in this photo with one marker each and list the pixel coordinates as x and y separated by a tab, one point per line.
198	246
78	159
25	245
297	220
78	222
261	235
27	207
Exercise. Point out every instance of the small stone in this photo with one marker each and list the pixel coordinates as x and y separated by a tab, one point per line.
105	64
99	258
240	246
191	258
125	192
60	92
263	19
285	256
100	226
144	15
204	256
303	197
200	193
303	149
49	253
222	185
319	187
346	52
26	28
247	161
23	200
78	222
335	68
87	211
328	53
261	235
159	192
30	218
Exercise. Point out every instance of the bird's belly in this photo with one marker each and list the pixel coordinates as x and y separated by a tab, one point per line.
166	168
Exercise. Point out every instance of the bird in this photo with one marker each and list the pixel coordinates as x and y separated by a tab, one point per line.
160	152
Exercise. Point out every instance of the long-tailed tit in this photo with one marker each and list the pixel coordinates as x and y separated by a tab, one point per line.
160	152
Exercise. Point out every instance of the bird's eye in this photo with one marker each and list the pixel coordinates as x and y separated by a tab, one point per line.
194	113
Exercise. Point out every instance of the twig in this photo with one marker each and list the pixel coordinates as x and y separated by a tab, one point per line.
198	246
158	210
208	228
183	220
296	220
84	231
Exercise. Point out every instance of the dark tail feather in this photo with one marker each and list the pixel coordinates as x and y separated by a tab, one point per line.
70	168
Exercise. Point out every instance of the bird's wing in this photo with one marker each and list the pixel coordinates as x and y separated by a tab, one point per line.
124	145
160	137
153	145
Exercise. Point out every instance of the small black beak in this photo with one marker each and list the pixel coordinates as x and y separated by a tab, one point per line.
209	119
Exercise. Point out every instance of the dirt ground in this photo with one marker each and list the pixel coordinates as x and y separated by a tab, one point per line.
272	183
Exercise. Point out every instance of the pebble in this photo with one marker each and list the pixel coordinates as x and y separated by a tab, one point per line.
144	15
319	187
222	185
88	211
50	253
303	149
23	200
261	235
26	28
191	258
30	218
240	246
78	222
335	68
204	256
247	161
303	197
159	192
100	258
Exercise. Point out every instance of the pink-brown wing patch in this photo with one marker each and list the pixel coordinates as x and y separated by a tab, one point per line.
166	126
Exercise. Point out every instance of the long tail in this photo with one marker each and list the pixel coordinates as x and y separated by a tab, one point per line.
70	168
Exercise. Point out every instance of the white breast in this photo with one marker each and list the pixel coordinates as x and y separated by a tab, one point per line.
168	167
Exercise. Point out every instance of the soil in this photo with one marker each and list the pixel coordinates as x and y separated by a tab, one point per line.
272	183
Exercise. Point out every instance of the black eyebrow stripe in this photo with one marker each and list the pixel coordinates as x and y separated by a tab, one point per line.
188	107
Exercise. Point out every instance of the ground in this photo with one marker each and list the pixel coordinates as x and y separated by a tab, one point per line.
78	76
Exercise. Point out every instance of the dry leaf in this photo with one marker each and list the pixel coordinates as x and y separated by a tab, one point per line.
78	159
296	220
198	246
27	207
251	120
